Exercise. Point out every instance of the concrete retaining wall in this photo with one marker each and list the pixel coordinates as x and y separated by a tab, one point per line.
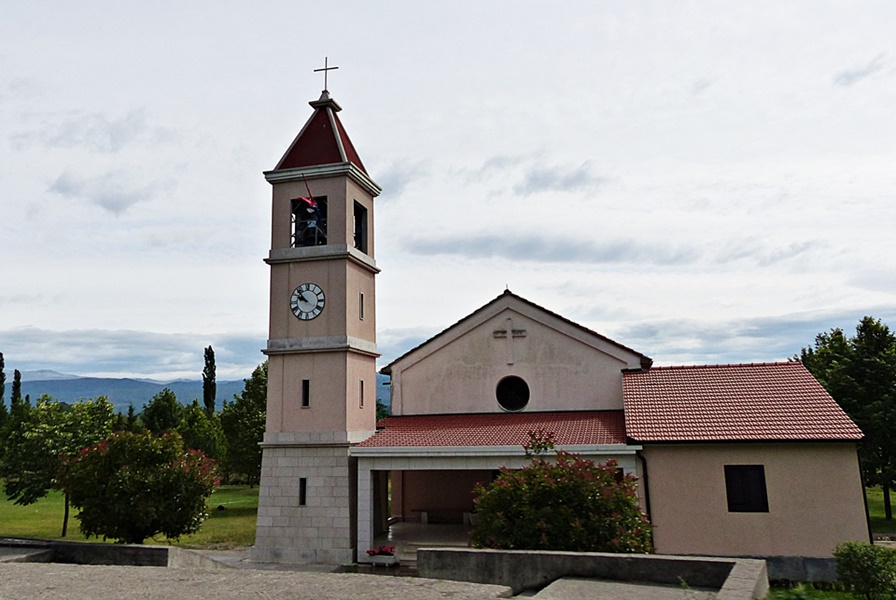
83	553
736	579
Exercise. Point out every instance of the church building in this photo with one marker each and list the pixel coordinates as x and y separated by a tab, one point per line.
731	460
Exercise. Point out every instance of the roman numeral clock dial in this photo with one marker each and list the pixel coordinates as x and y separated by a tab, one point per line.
307	301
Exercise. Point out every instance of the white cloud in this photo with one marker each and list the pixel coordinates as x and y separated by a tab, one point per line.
850	77
651	165
96	352
114	191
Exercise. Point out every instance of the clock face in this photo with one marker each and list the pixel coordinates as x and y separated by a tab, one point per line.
307	301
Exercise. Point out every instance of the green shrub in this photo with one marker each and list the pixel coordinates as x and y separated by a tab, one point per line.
866	570
133	486
570	503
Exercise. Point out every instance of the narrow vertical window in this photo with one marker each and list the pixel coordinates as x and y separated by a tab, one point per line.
361	394
306	393
303	491
360	229
361	305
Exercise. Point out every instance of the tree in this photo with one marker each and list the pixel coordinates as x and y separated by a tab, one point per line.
162	413
15	398
4	413
382	411
569	503
41	442
133	486
209	387
860	374
203	432
132	423
243	423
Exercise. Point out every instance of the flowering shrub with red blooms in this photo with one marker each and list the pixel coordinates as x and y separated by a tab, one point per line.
569	503
382	551
133	486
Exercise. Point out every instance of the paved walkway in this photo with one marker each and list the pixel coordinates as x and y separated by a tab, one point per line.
38	581
571	588
245	579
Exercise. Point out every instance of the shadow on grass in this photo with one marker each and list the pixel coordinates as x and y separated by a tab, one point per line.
230	513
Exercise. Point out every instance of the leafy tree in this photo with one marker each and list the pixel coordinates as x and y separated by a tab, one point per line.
243	422
203	432
860	374
209	386
40	443
133	486
163	412
569	503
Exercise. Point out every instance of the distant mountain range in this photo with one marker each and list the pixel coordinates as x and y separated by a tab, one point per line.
137	392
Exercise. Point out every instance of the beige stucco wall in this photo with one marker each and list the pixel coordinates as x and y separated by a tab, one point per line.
815	499
334	383
341	193
342	282
461	373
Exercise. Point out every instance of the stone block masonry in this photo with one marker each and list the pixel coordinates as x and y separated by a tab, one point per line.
305	505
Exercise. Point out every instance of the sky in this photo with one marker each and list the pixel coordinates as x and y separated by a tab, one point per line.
704	182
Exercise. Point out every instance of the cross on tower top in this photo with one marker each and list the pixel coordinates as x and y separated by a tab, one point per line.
325	69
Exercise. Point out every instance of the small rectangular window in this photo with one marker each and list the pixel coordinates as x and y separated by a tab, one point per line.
361	394
745	487
306	393
303	491
361	305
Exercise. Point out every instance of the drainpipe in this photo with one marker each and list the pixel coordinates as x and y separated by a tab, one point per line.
646	484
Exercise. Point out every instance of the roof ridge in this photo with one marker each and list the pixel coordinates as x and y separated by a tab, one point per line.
721	365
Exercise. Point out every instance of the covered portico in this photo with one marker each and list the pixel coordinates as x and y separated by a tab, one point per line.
433	462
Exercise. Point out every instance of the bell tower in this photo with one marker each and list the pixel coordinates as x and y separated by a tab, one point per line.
321	347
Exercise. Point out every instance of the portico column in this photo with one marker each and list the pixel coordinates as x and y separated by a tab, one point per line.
365	508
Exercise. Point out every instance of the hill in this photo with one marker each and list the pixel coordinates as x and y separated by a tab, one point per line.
124	392
136	392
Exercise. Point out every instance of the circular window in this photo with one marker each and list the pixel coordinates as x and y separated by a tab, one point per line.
512	393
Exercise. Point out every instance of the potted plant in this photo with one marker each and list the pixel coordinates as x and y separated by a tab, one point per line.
384	555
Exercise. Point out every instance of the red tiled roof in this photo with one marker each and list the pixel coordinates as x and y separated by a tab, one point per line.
772	401
503	429
320	142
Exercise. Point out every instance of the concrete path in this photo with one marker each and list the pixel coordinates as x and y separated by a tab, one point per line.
571	588
38	581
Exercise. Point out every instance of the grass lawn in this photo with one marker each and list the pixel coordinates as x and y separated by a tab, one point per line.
876	510
229	528
807	593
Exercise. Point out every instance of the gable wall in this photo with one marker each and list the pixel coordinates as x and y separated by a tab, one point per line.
460	376
815	499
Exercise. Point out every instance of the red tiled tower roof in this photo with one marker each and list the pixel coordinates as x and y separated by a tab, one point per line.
502	429
322	141
752	402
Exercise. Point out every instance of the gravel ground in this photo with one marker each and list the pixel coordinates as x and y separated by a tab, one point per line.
27	581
